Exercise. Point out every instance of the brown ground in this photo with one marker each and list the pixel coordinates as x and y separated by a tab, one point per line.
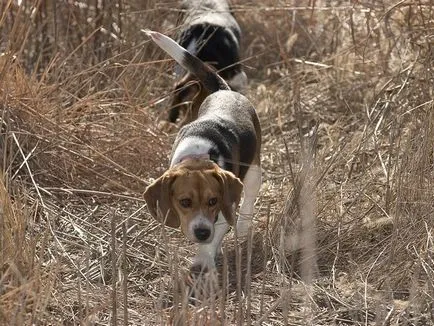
344	225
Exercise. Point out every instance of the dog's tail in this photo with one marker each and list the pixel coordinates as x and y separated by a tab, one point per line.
209	78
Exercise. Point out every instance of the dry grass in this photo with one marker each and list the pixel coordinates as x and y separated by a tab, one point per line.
344	229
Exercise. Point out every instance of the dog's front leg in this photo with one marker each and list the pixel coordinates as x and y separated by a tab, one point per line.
205	258
252	185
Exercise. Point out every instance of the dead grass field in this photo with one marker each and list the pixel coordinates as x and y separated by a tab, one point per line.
344	228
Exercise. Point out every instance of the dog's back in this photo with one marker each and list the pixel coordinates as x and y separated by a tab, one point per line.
210	12
208	77
221	49
212	34
228	119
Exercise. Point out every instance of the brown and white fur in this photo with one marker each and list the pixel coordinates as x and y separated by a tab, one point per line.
210	32
211	155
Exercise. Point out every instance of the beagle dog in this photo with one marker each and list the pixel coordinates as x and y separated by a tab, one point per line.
212	34
212	158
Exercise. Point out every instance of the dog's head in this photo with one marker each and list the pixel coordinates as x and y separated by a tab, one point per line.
187	99
191	195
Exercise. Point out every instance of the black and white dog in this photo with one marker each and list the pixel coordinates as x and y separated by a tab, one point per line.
210	32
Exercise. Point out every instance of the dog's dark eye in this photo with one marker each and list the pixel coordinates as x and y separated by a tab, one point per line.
212	201
186	202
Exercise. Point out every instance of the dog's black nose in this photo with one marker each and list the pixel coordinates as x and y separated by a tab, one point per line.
202	234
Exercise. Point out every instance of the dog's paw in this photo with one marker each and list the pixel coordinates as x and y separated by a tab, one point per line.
201	265
202	283
197	269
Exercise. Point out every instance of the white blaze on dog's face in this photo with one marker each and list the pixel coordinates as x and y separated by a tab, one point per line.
191	195
196	198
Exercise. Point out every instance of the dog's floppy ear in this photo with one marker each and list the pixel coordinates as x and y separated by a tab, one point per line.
185	91
157	196
231	188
